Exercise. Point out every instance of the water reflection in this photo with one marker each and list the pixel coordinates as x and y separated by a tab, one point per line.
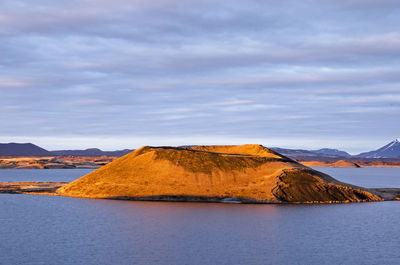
60	230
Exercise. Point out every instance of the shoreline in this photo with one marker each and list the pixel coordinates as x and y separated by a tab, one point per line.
30	187
50	188
349	164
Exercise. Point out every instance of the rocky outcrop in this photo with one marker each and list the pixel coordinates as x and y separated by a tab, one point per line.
340	163
40	188
247	173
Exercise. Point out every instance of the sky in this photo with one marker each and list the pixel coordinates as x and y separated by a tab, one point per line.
122	74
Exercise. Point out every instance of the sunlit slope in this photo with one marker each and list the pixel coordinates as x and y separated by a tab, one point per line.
249	173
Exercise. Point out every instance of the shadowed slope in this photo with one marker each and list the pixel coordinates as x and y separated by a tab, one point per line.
249	173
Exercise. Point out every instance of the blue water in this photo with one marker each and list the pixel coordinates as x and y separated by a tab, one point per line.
60	230
369	177
52	175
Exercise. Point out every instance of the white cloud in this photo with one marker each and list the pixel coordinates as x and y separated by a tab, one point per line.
255	70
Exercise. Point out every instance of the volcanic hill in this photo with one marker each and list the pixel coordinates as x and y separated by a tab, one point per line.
245	173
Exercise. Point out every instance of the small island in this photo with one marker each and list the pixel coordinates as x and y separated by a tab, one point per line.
244	173
40	188
233	173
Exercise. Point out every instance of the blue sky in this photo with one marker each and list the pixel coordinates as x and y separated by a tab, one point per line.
122	74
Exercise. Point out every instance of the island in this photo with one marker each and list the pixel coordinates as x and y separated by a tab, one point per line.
245	173
220	173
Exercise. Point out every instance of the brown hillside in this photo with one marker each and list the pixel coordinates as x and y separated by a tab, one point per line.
248	173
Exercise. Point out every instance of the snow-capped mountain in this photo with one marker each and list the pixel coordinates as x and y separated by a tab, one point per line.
391	150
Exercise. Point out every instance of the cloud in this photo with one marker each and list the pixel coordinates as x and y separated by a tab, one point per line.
12	83
87	102
255	70
231	103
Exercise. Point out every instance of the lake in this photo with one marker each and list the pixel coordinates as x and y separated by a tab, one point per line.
52	175
368	177
59	230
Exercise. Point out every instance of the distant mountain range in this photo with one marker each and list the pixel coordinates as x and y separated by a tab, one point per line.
91	152
331	152
324	154
28	149
391	150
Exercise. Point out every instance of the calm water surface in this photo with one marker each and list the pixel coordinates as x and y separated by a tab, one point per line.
54	175
369	177
59	230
